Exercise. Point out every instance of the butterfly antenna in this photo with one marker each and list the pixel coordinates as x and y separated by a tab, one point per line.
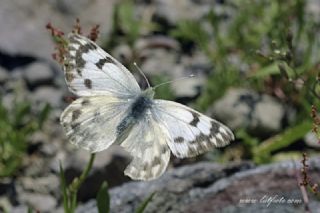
145	77
178	79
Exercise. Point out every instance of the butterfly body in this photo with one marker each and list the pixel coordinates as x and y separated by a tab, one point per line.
112	109
139	107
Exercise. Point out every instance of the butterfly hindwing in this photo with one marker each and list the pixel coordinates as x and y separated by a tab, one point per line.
191	132
89	122
89	71
148	145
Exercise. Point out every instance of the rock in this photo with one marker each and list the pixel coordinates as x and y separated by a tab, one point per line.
23	30
189	87
164	62
38	73
156	41
19	209
47	94
175	11
159	61
242	108
123	54
38	202
313	8
8	194
197	65
108	165
4	76
311	139
43	185
210	187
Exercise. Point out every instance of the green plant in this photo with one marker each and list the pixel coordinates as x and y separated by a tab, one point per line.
17	124
127	27
70	191
103	199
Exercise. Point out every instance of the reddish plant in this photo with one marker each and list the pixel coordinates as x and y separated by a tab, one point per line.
61	42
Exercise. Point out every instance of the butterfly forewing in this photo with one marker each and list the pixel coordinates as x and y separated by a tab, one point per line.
91	71
191	132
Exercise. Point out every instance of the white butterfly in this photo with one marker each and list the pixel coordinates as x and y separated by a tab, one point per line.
112	109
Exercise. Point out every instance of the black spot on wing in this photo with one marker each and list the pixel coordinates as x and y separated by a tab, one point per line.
79	61
85	102
69	76
179	140
200	137
103	61
156	161
76	114
163	149
214	129
195	119
88	83
75	126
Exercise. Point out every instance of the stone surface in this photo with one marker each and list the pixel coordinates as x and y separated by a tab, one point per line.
174	11
44	185
311	139
23	23
48	94
39	202
159	61
38	73
108	165
242	108
208	187
3	75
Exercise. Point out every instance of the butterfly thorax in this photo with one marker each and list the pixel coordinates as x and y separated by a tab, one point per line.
139	107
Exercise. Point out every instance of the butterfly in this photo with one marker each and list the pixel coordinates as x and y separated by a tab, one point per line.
112	109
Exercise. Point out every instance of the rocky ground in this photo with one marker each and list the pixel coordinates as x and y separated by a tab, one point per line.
28	72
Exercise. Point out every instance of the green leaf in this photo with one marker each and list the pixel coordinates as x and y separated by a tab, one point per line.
272	69
30	210
103	199
64	189
127	21
263	152
144	204
44	114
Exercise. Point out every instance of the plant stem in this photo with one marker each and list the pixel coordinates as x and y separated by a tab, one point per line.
77	182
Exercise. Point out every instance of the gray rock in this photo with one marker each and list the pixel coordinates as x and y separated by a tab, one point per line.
311	139
108	165
43	185
23	25
198	65
164	62
174	11
209	187
38	73
188	87
19	209
39	202
47	94
260	114
159	61
156	41
123	53
4	76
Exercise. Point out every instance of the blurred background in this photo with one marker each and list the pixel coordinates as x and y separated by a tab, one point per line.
256	67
